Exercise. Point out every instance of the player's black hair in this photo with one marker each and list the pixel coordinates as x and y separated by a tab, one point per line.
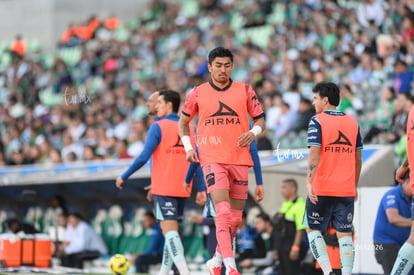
219	52
173	97
406	175
264	217
329	90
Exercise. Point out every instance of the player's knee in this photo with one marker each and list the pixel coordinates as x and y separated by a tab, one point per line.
223	212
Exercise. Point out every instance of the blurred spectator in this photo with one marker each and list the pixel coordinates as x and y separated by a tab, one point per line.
273	111
370	12
112	23
71	151
89	153
249	243
154	250
304	114
16	226
58	204
402	106
381	118
136	145
18	158
363	70
392	225
71	157
408	33
378	74
19	46
54	156
81	243
349	104
402	77
265	228
284	123
122	149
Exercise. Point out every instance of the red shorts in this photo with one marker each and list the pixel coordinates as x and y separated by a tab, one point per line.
227	176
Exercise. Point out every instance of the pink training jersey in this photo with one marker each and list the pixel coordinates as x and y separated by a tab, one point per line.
223	117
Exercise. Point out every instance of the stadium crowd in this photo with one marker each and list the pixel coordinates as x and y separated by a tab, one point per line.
86	101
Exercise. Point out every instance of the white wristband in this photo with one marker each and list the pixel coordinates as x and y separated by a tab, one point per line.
256	130
187	143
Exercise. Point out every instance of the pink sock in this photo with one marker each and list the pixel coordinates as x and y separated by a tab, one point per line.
223	228
236	218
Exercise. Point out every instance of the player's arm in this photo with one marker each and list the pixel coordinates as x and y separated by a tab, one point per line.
153	140
313	163
256	112
258	196
201	197
194	170
358	158
190	172
189	110
300	230
266	261
295	249
358	166
401	171
314	144
246	138
396	219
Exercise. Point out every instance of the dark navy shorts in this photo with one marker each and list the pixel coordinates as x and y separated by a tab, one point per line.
412	208
169	208
338	210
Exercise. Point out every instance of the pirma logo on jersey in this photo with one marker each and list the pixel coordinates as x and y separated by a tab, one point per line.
177	148
224	116
341	140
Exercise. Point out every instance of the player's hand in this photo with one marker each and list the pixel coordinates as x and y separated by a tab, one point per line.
119	181
258	193
198	219
400	173
356	195
187	188
192	156
245	139
201	198
149	193
311	193
246	263
293	255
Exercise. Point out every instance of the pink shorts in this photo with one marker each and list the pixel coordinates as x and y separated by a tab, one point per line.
227	176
